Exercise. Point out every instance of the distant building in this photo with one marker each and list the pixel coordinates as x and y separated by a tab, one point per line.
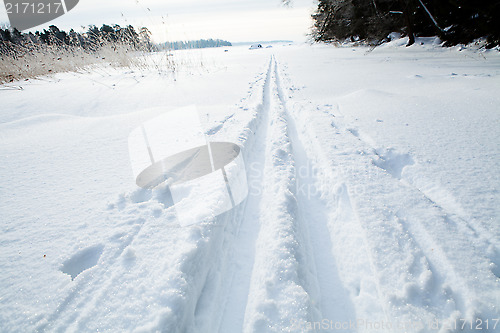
255	46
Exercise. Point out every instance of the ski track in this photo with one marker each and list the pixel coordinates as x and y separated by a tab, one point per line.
108	259
432	272
242	261
445	269
305	246
309	270
280	284
488	242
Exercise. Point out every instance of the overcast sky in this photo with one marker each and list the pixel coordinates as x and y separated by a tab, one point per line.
232	20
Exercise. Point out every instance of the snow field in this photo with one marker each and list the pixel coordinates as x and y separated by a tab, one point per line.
351	223
424	274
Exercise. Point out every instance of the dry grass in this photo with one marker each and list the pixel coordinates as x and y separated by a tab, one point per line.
20	62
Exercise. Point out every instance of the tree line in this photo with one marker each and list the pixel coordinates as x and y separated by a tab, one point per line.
92	40
454	21
195	44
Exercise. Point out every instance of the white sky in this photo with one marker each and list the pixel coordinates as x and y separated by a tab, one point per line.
232	20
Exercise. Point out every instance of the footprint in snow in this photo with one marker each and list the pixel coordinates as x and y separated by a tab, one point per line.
392	161
354	132
82	260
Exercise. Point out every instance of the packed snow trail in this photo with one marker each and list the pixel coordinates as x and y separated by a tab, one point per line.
431	285
281	279
274	250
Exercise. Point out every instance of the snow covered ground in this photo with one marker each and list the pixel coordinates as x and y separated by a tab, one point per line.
373	199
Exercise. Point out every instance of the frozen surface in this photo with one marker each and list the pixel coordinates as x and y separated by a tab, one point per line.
373	203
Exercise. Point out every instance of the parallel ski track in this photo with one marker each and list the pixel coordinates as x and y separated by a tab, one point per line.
296	222
244	256
332	225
